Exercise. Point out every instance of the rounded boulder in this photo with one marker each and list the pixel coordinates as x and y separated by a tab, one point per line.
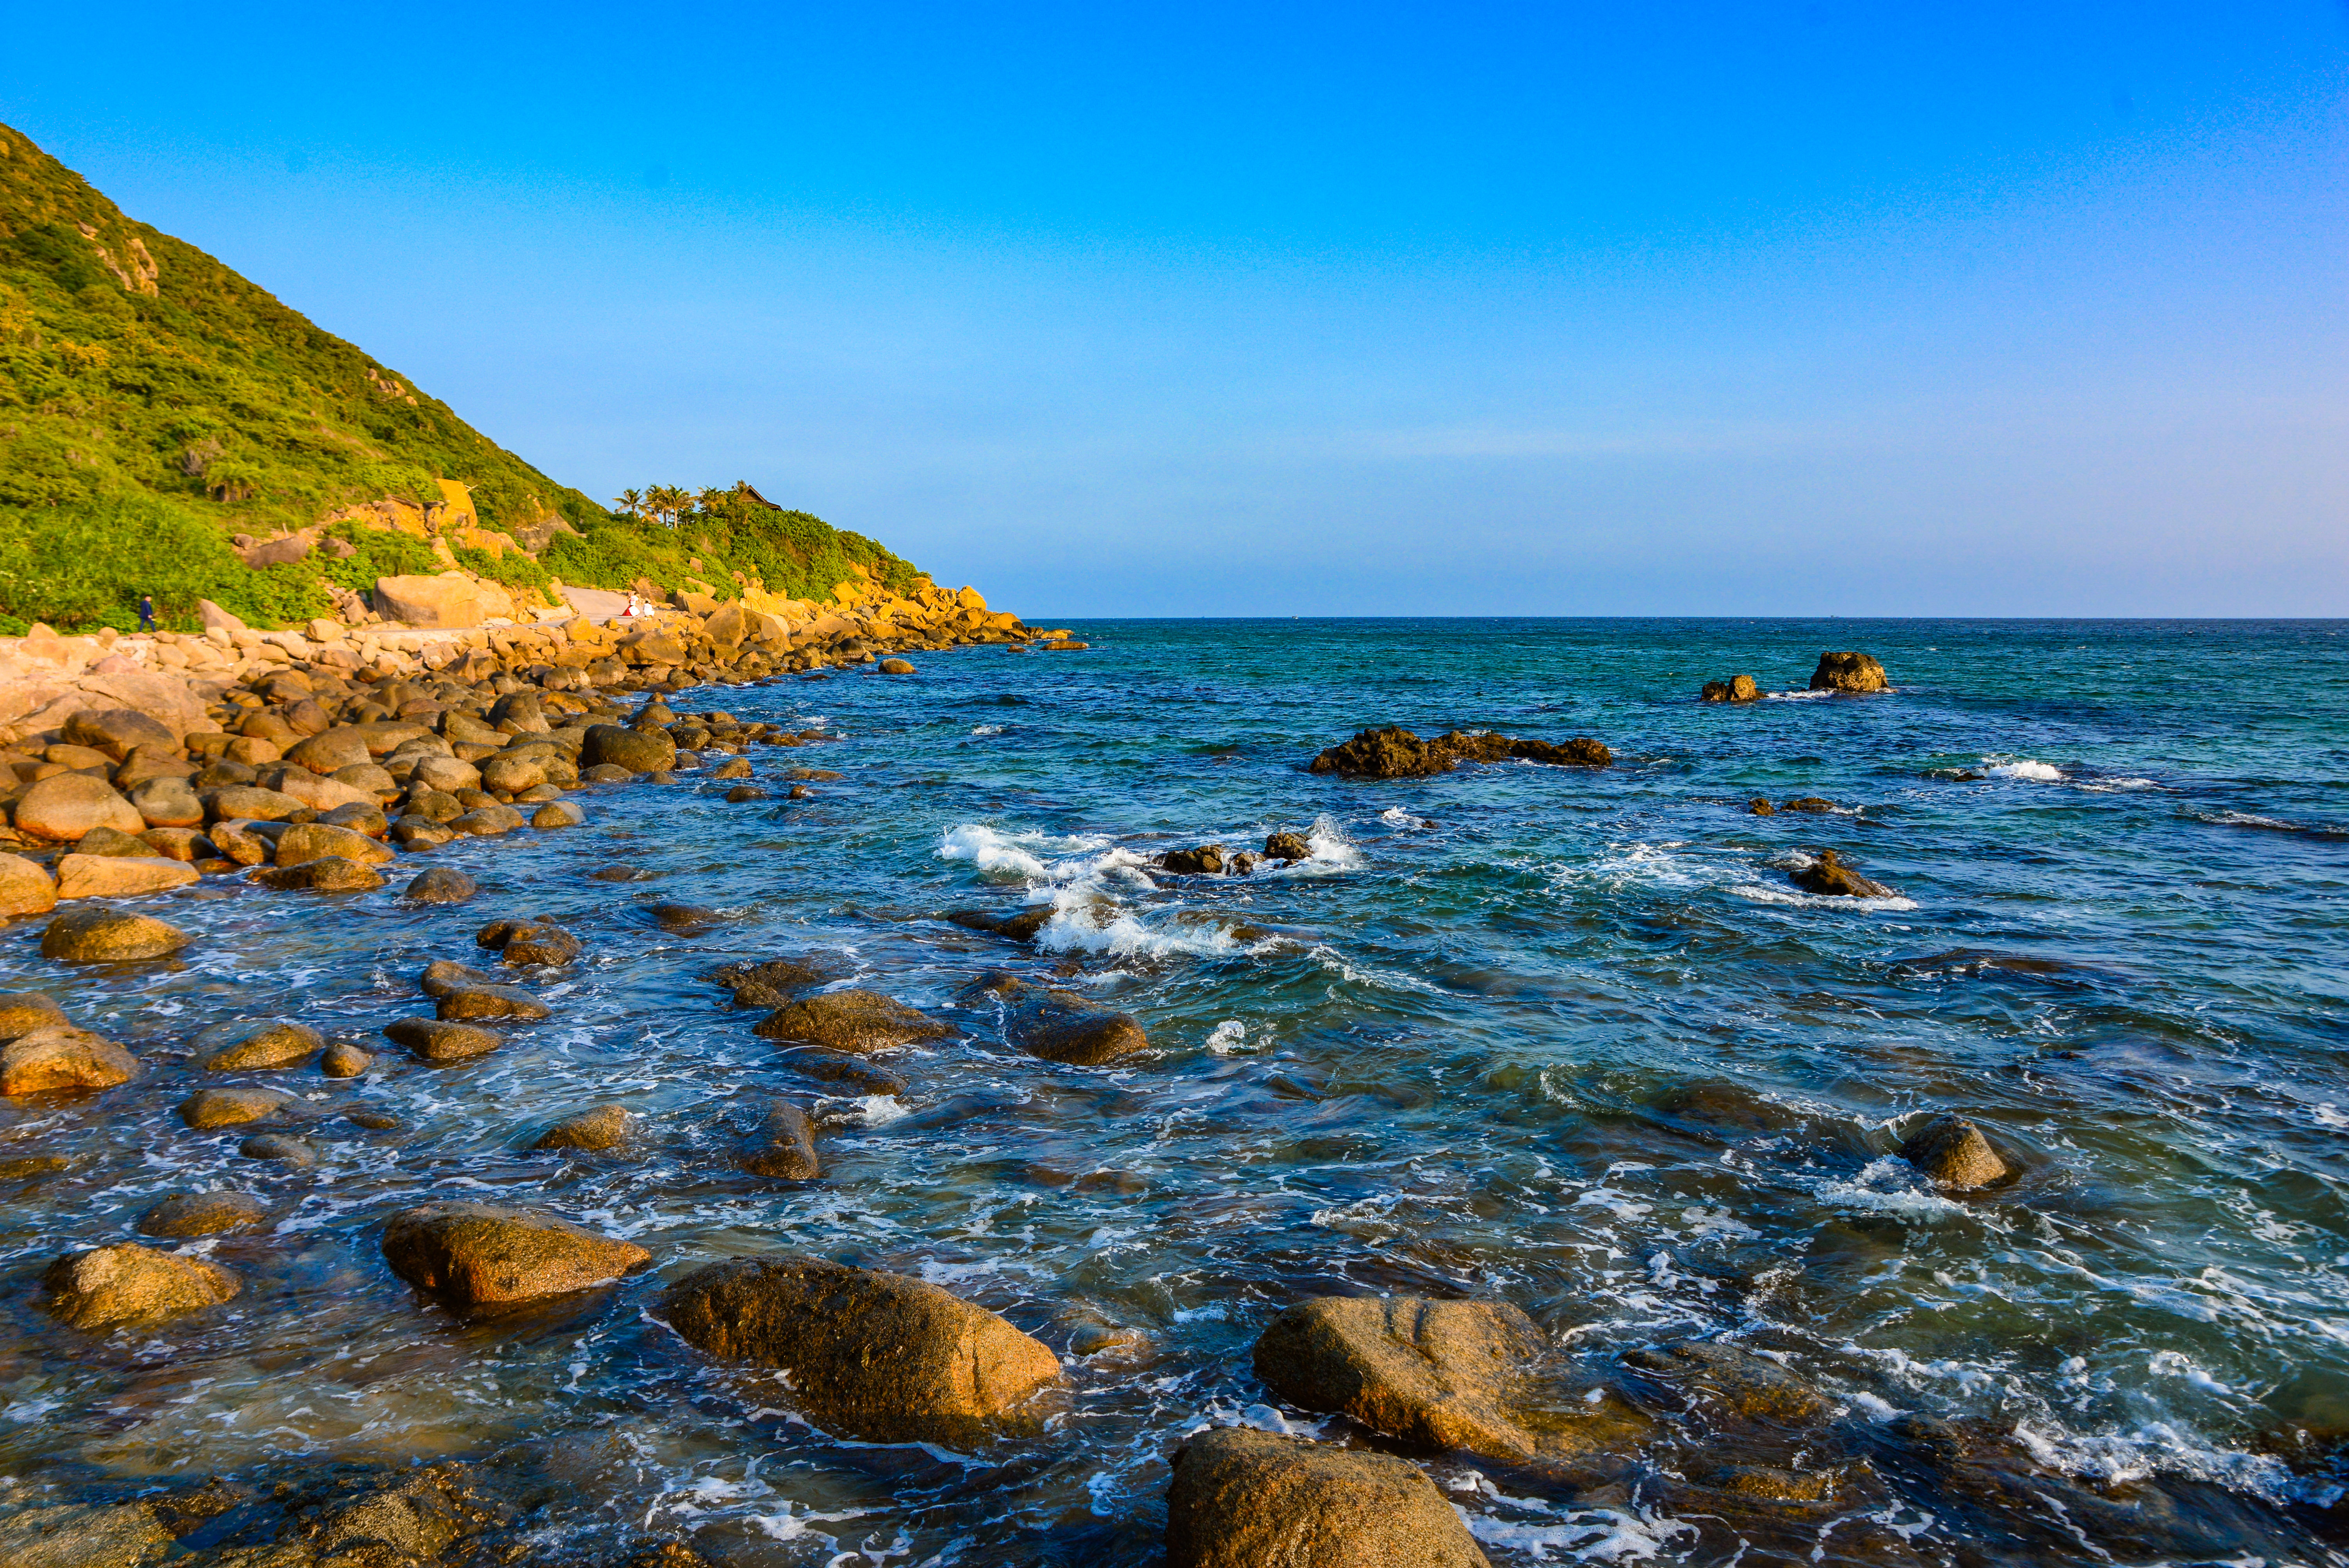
64	807
485	1255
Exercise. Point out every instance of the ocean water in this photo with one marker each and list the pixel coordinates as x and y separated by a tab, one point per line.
1572	1039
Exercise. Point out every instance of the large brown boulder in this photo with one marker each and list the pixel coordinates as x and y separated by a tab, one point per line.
210	1108
120	876
637	750
59	1057
65	807
249	803
871	1354
267	1045
106	936
442	1045
329	750
1849	672
24	888
1062	1027
1951	1152
22	1012
118	731
186	1214
605	1128
783	1145
316	840
479	1254
460	1004
328	873
449	598
315	793
167	803
524	943
131	1284
1444	1374
851	1020
1396	753
1244	1499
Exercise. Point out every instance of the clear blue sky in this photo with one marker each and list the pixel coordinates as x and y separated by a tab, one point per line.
1774	308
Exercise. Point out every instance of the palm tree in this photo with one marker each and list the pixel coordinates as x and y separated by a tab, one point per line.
630	502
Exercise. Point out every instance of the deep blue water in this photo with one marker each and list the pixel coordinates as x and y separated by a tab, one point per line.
1570	1039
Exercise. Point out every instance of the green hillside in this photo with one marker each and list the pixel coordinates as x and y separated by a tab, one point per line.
153	403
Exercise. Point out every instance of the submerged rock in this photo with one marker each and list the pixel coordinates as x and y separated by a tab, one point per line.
344	1059
1060	1026
1849	672
871	1354
186	1214
783	1145
854	1020
1444	1374
481	1254
1245	1498
835	1067
83	1535
442	1045
108	936
465	1002
525	941
63	1057
1951	1152
272	1045
767	984
1760	806
1749	1385
1397	753
441	884
210	1108
1020	927
329	874
1827	876
283	1147
1207	860
443	975
132	1283
606	1127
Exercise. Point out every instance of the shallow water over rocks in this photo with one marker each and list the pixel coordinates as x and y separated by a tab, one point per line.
1572	1039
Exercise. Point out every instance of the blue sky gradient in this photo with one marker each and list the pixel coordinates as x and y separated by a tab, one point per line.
1806	308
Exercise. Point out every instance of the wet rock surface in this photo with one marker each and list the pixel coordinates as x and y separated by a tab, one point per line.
1827	876
131	1284
1243	1499
1397	753
1060	1026
1855	672
872	1354
854	1020
487	1255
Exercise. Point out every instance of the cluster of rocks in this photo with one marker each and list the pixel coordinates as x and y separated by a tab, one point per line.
1852	672
1397	753
1214	860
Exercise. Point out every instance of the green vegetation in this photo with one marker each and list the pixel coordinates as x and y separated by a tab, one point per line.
152	402
673	536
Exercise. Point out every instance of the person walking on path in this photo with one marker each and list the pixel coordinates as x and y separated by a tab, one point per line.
145	612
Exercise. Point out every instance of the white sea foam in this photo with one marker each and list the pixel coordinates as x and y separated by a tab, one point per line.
987	729
2117	1457
1797	696
1018	855
1583	1535
1227	1037
1889	1186
1333	851
1759	893
1100	928
2024	767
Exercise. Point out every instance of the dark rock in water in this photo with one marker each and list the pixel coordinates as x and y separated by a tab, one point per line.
482	1255
855	1021
684	919
1776	1485
1951	1152
1245	1498
1760	807
525	942
210	1108
63	1059
185	1214
374	1121
461	1003
1750	1386
22	1012
443	975
1207	860
1443	1374
1816	805
277	1045
281	1147
619	872
1060	1026
801	792
344	1059
329	874
604	1128
1740	688
438	1044
1714	691
441	884
1288	846
605	773
1829	876
1849	672
744	792
1395	753
783	1145
131	1284
871	1354
733	767
1020	927
108	936
768	984
833	1067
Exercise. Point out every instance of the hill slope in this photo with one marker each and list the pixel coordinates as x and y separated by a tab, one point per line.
154	405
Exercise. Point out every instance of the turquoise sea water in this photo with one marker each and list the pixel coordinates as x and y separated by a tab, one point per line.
1573	1040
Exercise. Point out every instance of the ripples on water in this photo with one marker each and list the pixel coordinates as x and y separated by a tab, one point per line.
1572	1039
